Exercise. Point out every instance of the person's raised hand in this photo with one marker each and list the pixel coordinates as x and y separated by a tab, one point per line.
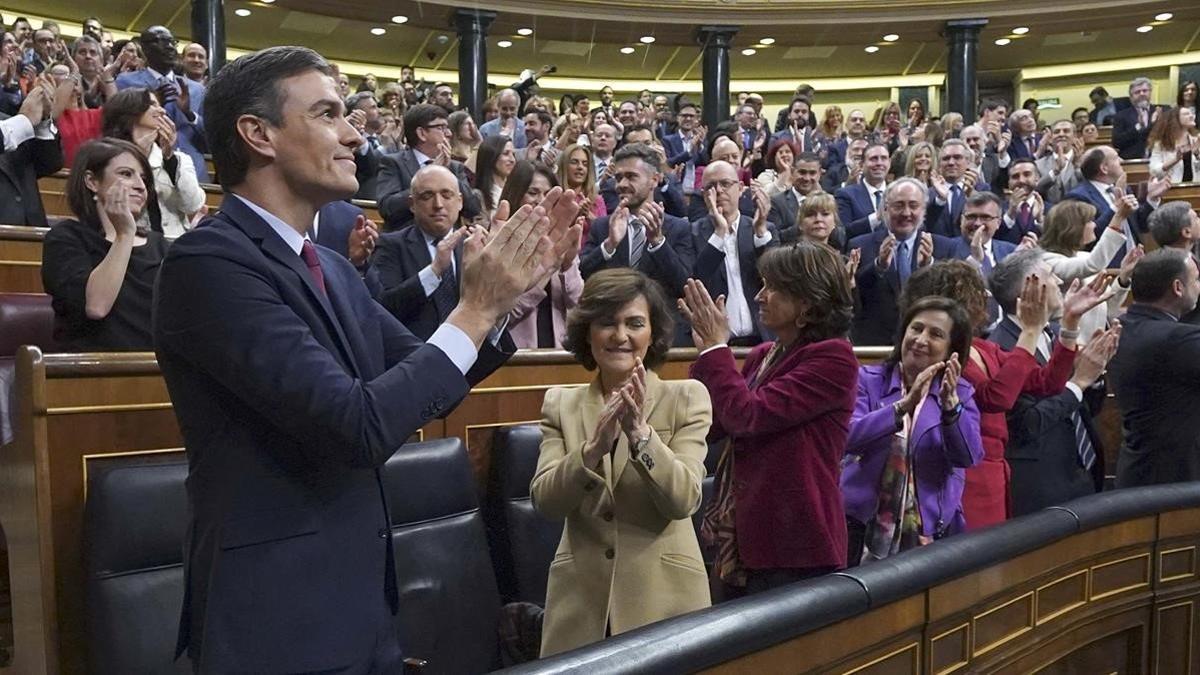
1095	355
1029	241
183	97
939	185
115	209
925	249
443	256
1157	187
358	120
1004	142
1081	297
948	394
762	207
920	388
652	215
443	154
504	268
35	107
165	136
1130	261
618	226
633	422
710	326
1033	305
852	263
608	428
720	223
1122	208
887	247
361	242
977	241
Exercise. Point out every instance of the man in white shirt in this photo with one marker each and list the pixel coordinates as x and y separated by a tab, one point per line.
860	204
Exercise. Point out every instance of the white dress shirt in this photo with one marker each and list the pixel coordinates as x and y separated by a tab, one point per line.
737	306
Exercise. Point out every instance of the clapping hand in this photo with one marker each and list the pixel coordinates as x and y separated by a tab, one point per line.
762	207
618	225
720	224
165	136
1130	261
1029	241
1095	355
852	263
948	394
710	327
361	242
1082	297
887	247
652	214
633	392
920	388
925	249
115	209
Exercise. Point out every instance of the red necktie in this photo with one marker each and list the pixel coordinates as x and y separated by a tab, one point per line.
308	253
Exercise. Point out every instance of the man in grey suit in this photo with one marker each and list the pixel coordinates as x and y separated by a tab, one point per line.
785	206
427	133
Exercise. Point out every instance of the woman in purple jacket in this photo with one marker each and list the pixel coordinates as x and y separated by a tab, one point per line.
914	430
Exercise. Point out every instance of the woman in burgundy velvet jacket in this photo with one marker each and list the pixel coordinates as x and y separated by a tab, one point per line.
777	516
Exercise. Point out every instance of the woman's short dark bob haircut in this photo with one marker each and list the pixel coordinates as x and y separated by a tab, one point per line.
604	294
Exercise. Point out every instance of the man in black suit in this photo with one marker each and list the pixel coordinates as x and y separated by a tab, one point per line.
1053	449
685	147
1176	225
785	206
292	386
954	182
363	115
31	150
343	228
427	133
639	233
730	244
1131	126
889	256
1156	373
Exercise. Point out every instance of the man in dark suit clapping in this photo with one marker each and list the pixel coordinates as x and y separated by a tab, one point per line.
1131	126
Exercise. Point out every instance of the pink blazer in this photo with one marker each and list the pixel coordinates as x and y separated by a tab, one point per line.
565	288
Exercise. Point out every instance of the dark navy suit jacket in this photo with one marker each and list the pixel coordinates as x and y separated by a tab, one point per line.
943	221
855	206
879	290
336	221
1137	221
670	265
710	263
289	399
399	259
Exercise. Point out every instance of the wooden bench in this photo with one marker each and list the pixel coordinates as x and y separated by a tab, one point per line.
1136	170
1186	192
21	258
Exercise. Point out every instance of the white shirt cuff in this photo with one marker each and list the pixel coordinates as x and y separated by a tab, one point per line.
759	242
1074	389
1002	160
455	344
1008	221
712	348
494	334
16	129
654	247
873	220
937	199
46	131
604	252
429	280
717	242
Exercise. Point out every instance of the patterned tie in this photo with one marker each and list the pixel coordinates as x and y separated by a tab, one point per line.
1032	146
1083	443
445	296
308	253
637	241
986	267
1025	217
903	261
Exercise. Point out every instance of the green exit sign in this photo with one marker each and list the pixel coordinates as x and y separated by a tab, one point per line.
1051	102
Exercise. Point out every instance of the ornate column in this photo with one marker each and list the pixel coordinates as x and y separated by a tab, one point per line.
962	88
208	28
472	25
715	41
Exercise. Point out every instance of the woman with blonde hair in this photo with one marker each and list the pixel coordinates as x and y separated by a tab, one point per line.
816	221
831	127
919	162
576	171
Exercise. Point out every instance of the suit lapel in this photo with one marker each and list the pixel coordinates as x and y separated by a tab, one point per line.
864	199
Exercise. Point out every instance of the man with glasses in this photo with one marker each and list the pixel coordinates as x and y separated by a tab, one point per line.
952	183
182	98
686	146
427	134
978	244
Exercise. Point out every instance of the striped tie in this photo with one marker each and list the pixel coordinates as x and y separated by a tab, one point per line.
1087	452
637	241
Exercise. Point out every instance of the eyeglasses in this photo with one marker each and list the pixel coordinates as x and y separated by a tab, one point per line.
440	125
979	217
726	184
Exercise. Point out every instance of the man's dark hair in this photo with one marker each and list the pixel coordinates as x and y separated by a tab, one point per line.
1079	109
800	99
84	40
632	128
20	19
249	85
1024	160
983	198
1093	160
1155	275
1168	221
1098	91
544	117
1008	277
353	100
640	151
684	103
630	101
806	157
420	115
122	111
990	104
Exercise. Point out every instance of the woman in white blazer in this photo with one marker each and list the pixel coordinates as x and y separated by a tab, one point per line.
1174	150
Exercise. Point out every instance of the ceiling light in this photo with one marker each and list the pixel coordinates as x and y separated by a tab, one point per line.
891	37
525	31
646	39
1145	29
378	31
399	18
504	44
749	52
1020	30
627	50
767	41
871	49
242	12
1165	16
1002	41
267	2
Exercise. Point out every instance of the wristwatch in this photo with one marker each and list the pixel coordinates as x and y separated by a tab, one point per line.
639	445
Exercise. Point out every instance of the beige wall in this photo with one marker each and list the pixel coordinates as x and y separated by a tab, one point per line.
1073	91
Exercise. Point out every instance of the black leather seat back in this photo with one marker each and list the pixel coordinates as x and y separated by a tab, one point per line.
523	541
449	603
135	520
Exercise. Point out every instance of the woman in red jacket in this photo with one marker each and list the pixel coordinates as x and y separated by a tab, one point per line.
1000	377
777	516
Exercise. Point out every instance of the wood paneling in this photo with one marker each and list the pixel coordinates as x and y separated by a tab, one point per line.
21	259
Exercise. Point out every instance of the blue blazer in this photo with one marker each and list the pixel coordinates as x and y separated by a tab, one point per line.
1015	233
1135	224
1018	150
190	134
336	222
855	206
1000	249
877	315
669	265
289	400
399	258
943	221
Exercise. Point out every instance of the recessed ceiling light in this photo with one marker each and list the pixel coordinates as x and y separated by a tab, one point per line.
749	52
267	2
1020	30
525	31
627	50
1145	29
767	41
1002	41
1165	16
399	18
646	39
504	44
242	12
871	49
891	37
378	31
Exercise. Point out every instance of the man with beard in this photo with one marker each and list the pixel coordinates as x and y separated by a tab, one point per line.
1176	225
1132	125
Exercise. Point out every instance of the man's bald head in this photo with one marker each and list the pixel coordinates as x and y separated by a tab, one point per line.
436	200
722	178
507	102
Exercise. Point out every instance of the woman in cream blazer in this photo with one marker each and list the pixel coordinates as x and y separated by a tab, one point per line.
621	461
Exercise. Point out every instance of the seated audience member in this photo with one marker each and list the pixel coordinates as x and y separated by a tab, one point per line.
99	268
507	123
629	554
1103	185
1090	134
889	256
1053	453
1103	107
420	266
918	162
576	170
860	204
784	418
493	162
914	432
1156	374
977	243
777	177
999	377
539	319
195	62
954	181
730	245
785	206
1080	117
182	98
427	134
31	150
362	113
465	138
639	233
135	115
1174	150
1131	126
816	222
1026	210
